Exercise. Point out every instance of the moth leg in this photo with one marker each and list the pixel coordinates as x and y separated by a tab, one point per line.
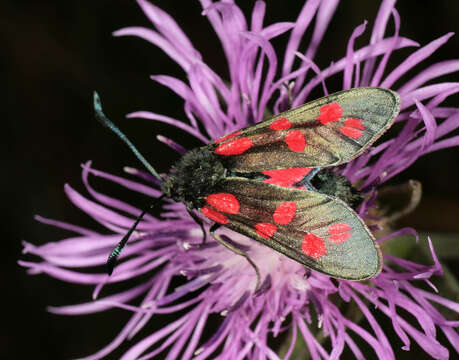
234	249
200	223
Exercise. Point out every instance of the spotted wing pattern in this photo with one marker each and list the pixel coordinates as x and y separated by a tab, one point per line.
326	132
317	230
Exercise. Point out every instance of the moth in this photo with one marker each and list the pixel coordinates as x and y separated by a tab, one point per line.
261	181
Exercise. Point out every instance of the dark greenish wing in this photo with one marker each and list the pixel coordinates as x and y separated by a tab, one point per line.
326	132
318	231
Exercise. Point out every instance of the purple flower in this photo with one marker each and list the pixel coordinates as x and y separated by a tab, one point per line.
291	298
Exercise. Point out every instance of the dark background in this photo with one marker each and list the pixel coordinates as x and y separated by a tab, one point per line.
54	54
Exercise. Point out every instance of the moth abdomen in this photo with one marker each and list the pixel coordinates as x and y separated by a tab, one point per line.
329	182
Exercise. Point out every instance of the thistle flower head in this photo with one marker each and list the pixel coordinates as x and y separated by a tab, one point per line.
291	299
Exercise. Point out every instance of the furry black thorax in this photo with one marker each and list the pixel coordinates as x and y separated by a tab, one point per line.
193	177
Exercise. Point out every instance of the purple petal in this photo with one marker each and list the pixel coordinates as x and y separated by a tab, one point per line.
169	28
171	121
359	55
65	226
172	144
432	72
313	346
111	201
156	39
101	304
258	16
414	59
382	65
302	23
275	30
323	17
253	88
348	68
228	22
98	212
379	29
136	350
131	185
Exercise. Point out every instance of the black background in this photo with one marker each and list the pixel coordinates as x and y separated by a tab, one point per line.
54	54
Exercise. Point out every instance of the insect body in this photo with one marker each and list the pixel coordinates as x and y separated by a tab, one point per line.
259	181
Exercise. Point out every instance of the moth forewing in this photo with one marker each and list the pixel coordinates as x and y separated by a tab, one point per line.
329	131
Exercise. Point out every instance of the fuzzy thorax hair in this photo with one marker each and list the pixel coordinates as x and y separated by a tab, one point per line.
193	177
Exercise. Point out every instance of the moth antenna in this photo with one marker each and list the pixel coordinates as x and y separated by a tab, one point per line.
116	252
108	123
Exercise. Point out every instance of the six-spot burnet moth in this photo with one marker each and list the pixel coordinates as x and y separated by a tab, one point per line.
272	182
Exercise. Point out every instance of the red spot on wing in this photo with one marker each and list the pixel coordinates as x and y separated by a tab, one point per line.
285	213
339	232
224	202
215	215
313	246
295	140
353	128
265	230
234	147
351	132
280	124
356	123
229	136
285	177
330	113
